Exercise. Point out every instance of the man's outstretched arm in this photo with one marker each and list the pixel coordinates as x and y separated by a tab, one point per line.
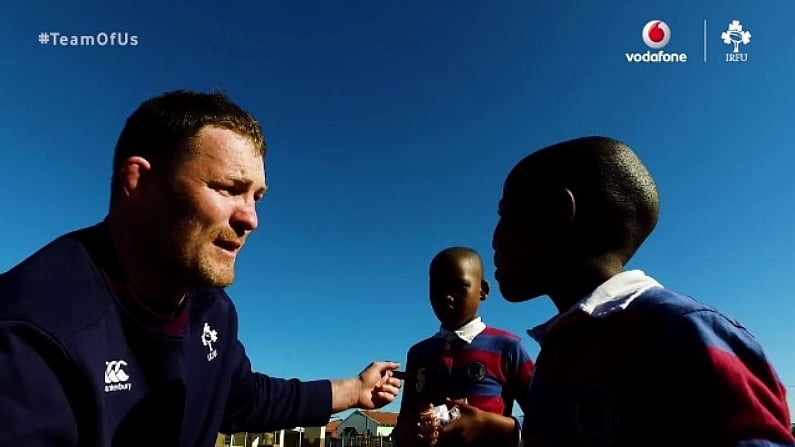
258	402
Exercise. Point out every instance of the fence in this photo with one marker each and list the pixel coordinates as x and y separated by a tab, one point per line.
289	439
360	441
294	439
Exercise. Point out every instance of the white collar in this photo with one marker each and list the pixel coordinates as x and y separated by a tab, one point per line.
613	295
467	332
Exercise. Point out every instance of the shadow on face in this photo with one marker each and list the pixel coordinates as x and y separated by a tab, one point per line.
456	289
204	212
530	238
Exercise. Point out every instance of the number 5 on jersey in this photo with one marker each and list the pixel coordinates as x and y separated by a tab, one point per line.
419	385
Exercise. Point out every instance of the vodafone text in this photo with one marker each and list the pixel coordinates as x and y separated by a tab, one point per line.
656	57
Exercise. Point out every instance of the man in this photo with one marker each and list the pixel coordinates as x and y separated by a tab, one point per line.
627	361
122	334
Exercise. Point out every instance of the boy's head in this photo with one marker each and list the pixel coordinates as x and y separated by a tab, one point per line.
457	286
584	204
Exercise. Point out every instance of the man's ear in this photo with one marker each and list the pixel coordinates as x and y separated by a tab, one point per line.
484	289
132	173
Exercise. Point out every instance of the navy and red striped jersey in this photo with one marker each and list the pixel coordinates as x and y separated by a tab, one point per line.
492	372
665	370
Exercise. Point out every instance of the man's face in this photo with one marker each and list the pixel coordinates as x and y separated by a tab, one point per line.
204	214
456	289
524	245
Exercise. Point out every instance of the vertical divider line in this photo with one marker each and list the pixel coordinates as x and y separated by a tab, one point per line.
705	40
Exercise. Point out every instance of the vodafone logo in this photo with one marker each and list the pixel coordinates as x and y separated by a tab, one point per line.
656	34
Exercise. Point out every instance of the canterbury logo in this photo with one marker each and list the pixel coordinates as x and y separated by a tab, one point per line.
114	372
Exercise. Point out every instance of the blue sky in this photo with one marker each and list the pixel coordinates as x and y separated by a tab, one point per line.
391	126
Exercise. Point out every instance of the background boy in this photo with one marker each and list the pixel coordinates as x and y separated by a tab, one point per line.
465	360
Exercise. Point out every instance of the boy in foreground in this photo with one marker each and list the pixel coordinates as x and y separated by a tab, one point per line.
626	362
466	365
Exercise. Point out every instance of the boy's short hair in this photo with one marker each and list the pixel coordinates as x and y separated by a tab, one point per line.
455	254
615	195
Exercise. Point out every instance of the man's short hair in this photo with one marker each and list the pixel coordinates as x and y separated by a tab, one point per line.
161	128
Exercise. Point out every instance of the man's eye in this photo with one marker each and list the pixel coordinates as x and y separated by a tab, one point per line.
225	190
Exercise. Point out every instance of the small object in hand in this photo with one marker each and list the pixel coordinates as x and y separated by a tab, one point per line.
401	375
445	415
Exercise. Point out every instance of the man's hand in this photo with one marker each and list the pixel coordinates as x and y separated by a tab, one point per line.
373	388
477	427
378	386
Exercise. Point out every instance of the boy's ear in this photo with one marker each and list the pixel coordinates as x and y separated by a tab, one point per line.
568	205
484	289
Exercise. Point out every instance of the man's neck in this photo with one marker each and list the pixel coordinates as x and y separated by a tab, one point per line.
142	272
168	310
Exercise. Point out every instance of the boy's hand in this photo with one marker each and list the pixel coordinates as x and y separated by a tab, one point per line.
469	428
421	430
476	427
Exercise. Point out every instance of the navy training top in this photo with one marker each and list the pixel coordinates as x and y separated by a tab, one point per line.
84	363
